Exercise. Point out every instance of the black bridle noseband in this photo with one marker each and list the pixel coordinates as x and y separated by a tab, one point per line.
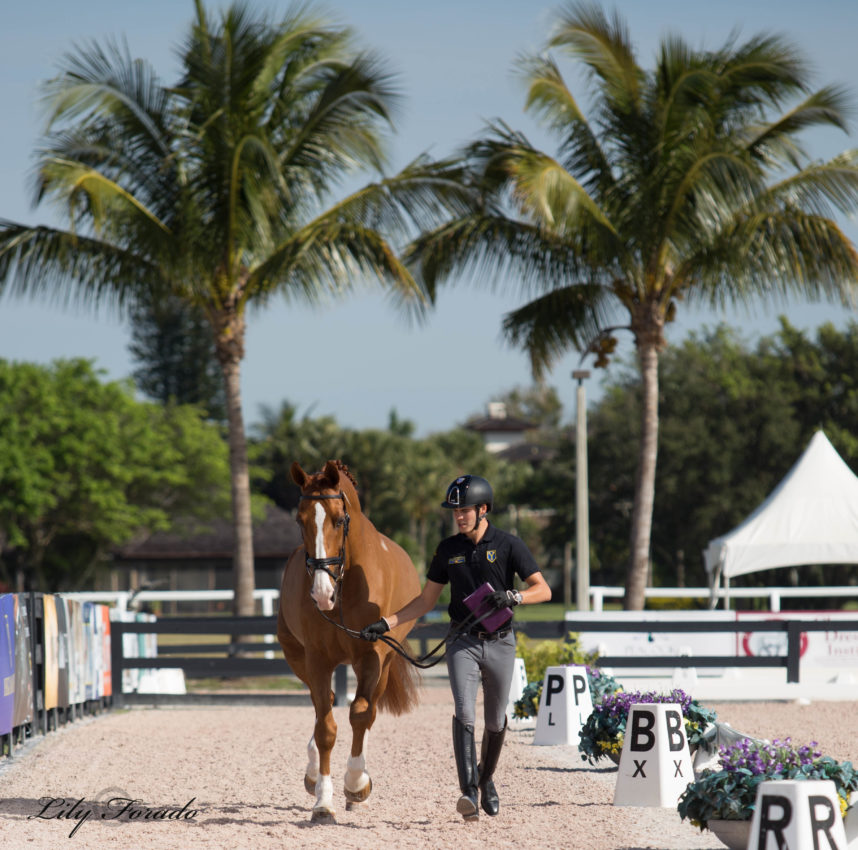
339	561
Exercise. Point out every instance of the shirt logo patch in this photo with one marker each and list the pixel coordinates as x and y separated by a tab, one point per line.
457	559
492	555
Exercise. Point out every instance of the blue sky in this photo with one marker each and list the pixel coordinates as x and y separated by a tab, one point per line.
454	60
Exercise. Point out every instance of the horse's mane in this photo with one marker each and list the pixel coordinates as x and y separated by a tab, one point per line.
347	472
322	479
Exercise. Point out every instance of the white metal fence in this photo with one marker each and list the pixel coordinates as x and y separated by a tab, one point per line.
775	595
598	595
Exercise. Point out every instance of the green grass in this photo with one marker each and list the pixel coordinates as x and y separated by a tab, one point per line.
545	612
245	683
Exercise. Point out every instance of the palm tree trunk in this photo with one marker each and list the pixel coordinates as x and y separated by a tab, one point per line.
641	530
242	560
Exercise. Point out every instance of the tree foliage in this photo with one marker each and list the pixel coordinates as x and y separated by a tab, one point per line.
83	467
734	419
171	343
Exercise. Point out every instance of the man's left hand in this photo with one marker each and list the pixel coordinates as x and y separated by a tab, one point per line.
503	599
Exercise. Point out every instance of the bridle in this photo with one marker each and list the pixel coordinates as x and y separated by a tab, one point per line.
339	561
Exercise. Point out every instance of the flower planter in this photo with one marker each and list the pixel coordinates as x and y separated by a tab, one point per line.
733	833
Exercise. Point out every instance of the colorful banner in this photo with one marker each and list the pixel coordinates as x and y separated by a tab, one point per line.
23	712
51	646
77	652
7	662
63	652
91	650
106	659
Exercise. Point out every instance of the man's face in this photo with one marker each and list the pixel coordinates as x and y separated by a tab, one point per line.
466	518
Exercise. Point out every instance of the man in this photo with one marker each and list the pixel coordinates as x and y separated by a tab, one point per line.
479	553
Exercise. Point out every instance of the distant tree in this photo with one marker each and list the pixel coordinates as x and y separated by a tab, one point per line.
734	419
171	342
538	403
282	437
84	466
683	182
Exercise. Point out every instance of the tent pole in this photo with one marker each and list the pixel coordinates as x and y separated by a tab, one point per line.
726	580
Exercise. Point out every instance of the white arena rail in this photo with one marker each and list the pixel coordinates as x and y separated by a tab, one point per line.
598	595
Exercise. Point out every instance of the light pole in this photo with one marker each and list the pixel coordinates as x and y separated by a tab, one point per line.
582	509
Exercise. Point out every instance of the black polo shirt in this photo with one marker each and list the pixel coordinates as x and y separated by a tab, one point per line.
496	559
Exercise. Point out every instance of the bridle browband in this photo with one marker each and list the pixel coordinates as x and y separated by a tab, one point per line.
338	561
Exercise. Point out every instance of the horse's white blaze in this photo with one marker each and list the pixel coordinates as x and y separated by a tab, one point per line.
322	592
383	545
320	531
356	776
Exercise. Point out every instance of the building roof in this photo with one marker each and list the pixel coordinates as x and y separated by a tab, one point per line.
276	536
506	423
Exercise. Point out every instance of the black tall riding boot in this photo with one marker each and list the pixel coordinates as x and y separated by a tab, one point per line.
491	749
466	766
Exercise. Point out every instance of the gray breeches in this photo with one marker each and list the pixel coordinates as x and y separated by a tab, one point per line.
492	662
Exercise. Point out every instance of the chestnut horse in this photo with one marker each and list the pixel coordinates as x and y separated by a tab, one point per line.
344	576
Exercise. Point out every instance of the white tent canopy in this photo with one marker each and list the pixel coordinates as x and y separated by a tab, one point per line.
811	517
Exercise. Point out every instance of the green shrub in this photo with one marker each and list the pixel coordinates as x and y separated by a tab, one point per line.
540	655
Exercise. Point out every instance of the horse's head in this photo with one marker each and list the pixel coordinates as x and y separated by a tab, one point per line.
323	514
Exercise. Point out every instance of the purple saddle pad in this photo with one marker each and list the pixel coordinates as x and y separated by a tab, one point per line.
478	606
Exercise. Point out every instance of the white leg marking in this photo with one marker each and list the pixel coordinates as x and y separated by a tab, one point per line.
356	776
324	794
312	760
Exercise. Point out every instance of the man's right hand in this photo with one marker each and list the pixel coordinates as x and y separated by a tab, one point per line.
375	630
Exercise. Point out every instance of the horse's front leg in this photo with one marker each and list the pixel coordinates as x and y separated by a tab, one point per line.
370	673
317	778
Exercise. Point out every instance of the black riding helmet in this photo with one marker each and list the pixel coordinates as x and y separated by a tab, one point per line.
467	491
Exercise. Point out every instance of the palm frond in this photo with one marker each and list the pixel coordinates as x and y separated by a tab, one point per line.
52	264
604	46
420	196
776	141
552	102
568	317
328	257
494	250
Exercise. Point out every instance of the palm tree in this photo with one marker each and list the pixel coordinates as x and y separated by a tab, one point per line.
216	190
688	181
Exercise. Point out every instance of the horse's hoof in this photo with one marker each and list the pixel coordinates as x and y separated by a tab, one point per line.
323	816
358	796
309	785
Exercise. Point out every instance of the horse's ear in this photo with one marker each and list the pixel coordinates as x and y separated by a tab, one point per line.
298	475
332	474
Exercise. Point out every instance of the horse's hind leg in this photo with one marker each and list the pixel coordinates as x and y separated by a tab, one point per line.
371	678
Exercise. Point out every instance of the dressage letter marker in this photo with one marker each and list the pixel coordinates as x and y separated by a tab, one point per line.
655	765
516	689
564	706
803	813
